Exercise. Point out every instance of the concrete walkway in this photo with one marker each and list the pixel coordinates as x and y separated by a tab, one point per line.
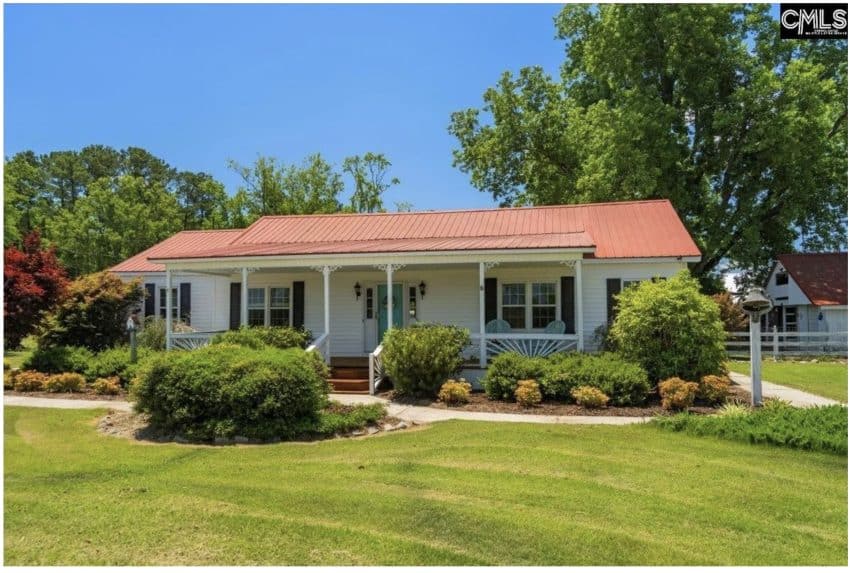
417	414
771	390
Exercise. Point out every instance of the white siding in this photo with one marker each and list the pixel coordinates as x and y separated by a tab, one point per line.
834	318
786	295
451	295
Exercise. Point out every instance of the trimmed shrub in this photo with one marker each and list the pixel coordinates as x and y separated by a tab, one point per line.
676	394
94	312
713	389
625	383
258	336
418	359
343	418
116	362
455	392
670	329
822	428
65	382
107	386
589	397
58	359
29	381
223	390
507	369
152	333
9	379
527	393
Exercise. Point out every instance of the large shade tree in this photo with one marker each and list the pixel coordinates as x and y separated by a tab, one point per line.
701	104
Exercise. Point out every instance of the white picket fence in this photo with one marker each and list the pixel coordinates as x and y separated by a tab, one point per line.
777	344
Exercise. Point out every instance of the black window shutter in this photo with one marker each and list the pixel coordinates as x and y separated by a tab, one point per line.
613	287
568	303
235	304
150	303
186	302
298	304
491	300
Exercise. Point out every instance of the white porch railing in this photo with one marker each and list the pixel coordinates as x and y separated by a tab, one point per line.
376	368
322	345
192	340
528	344
778	344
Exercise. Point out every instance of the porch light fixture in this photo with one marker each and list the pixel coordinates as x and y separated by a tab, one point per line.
357	290
756	304
422	288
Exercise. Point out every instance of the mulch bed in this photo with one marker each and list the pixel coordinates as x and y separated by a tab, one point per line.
87	394
478	402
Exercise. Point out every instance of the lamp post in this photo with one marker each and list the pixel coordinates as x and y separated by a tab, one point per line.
131	329
756	305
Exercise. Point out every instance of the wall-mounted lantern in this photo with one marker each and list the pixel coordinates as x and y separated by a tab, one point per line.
357	290
422	289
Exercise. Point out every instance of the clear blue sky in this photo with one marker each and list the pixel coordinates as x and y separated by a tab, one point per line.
196	85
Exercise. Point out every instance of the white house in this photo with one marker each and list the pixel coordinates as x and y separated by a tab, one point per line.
809	293
534	279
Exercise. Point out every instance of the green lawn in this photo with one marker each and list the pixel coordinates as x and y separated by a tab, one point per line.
16	358
454	493
827	379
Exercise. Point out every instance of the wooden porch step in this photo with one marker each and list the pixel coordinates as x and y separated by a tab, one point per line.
350	362
348	385
349	373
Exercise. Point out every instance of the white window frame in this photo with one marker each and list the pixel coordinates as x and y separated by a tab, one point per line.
175	302
529	301
287	307
267	302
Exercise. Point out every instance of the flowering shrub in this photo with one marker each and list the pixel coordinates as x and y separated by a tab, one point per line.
108	386
455	392
589	397
677	394
66	382
29	381
713	389
527	393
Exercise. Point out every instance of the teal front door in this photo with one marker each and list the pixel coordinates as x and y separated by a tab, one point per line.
382	309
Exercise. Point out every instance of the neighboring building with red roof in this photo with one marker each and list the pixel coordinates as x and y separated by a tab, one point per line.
809	292
536	279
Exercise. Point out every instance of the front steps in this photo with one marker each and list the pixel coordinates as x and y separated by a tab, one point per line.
350	375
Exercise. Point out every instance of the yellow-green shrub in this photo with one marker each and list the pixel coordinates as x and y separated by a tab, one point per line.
29	381
589	397
455	392
677	394
65	382
713	389
527	393
9	379
109	386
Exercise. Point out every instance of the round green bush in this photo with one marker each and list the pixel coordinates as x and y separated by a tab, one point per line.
59	359
624	382
507	369
418	359
222	391
259	336
670	328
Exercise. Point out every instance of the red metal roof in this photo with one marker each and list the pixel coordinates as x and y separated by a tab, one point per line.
821	276
182	241
633	229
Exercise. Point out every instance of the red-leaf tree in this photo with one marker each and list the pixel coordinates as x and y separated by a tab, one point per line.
33	282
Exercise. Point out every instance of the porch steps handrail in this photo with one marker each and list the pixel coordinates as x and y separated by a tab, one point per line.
322	345
376	368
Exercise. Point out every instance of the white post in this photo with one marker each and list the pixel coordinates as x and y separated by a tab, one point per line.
579	304
326	276
244	302
389	297
775	344
482	352
755	358
168	302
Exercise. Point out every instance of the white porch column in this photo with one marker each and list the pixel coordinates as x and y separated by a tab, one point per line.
168	303
579	308
389	297
326	275
482	353
243	319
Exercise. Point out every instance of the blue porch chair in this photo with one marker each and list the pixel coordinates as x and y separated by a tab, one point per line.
497	327
556	327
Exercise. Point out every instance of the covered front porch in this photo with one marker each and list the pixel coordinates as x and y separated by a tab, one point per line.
529	303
